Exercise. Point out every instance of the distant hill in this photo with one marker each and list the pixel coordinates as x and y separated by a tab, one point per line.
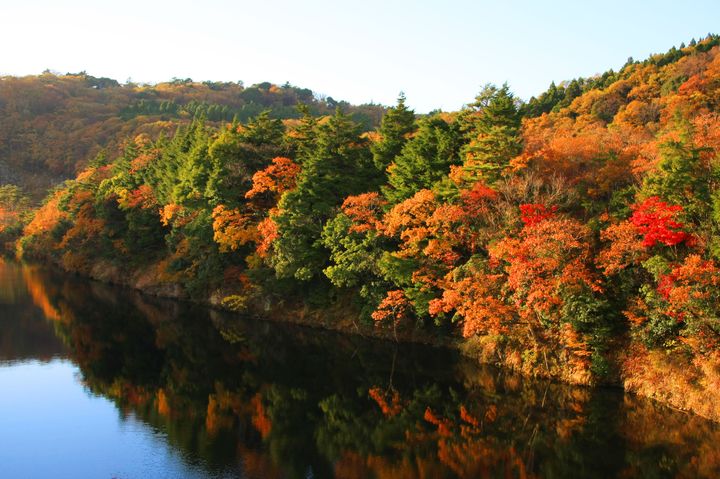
52	125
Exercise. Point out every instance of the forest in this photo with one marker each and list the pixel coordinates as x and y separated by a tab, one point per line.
572	236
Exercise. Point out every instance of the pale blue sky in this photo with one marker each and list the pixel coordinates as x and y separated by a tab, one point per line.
439	53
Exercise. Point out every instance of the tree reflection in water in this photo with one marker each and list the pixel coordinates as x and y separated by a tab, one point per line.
276	400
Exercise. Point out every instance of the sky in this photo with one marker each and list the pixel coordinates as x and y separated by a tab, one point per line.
440	53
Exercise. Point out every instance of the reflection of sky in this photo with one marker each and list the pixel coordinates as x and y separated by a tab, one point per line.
51	427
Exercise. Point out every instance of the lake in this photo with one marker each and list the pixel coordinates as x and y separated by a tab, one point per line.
98	381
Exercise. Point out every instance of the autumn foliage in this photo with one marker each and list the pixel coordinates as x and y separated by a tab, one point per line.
232	228
276	179
583	218
657	222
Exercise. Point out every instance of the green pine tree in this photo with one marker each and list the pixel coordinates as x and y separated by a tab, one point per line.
424	160
492	132
396	125
338	166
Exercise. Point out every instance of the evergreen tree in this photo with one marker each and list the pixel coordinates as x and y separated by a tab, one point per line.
424	160
163	174
682	177
492	131
237	152
545	102
573	90
301	139
394	129
263	130
194	170
338	166
230	173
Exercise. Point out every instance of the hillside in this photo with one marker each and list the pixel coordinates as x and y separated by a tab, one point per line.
52	125
575	236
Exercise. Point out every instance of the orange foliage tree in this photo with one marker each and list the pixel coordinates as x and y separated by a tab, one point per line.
394	309
232	229
476	296
277	178
547	262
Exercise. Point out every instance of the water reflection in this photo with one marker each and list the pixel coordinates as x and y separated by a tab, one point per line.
255	399
24	332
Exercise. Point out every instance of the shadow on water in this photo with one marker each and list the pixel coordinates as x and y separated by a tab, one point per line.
258	399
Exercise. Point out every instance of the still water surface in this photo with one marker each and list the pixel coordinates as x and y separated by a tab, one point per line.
100	382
